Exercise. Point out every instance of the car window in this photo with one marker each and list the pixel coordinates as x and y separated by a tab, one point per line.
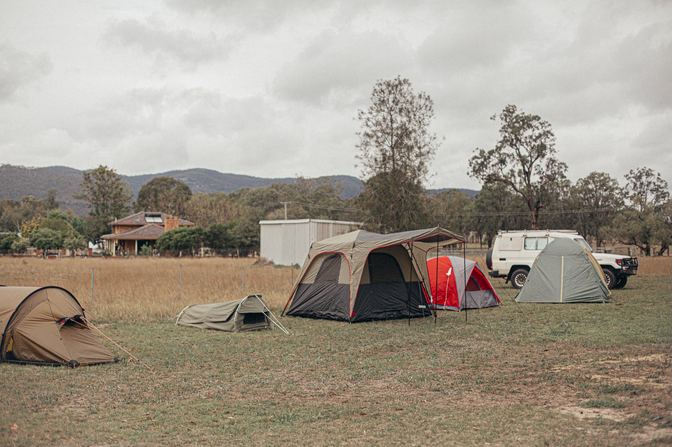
535	243
583	243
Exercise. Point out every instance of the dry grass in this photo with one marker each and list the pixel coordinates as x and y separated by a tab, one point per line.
146	289
655	266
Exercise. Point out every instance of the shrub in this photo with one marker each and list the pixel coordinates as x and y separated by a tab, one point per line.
21	244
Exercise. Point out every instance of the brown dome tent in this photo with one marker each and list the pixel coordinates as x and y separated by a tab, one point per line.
46	326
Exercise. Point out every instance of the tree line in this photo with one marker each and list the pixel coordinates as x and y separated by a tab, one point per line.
524	185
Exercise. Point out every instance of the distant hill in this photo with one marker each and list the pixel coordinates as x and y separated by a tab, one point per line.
470	192
19	181
209	181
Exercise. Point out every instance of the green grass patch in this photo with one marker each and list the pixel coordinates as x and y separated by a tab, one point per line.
624	388
602	403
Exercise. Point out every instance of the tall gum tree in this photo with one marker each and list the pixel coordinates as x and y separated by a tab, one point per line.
108	197
523	159
164	194
598	198
647	218
395	149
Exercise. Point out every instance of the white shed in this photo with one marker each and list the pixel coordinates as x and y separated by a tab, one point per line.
286	242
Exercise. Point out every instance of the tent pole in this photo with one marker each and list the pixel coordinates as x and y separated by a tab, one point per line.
420	272
274	318
437	272
465	282
411	267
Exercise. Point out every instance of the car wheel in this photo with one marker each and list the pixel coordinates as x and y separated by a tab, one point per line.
609	278
518	278
487	258
622	282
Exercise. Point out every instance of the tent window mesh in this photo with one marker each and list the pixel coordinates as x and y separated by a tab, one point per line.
253	319
384	268
329	271
473	285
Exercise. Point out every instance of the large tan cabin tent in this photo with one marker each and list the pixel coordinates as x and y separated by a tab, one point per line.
362	276
248	314
46	325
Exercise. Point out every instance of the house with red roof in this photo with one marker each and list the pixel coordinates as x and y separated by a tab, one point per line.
131	233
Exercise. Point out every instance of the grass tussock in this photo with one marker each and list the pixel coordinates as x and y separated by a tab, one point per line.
602	403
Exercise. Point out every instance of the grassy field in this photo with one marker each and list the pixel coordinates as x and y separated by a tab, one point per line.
555	375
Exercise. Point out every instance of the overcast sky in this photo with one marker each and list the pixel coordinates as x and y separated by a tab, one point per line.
272	88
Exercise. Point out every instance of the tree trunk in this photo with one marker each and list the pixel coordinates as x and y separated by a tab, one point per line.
534	219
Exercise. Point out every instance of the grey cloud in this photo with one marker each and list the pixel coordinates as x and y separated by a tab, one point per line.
610	73
213	114
473	37
251	15
136	112
164	43
644	63
570	70
334	65
18	69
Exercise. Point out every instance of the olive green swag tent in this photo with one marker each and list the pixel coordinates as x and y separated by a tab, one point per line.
362	276
247	314
564	272
47	326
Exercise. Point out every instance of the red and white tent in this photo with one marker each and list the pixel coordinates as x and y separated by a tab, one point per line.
459	284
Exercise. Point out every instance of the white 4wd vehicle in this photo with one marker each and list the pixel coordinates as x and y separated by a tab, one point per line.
514	252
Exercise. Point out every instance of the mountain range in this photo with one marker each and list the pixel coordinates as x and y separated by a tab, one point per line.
19	181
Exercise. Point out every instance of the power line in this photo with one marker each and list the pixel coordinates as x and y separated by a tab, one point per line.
527	213
476	214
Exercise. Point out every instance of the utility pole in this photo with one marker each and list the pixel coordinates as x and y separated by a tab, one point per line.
285	209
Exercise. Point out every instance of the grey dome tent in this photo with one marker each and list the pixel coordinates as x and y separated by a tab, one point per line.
564	272
247	314
47	326
362	276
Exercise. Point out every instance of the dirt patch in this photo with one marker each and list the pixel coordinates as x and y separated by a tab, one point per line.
592	413
632	381
653	358
651	434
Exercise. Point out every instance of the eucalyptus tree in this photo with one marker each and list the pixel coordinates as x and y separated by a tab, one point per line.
164	194
395	148
597	198
647	218
523	160
108	198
